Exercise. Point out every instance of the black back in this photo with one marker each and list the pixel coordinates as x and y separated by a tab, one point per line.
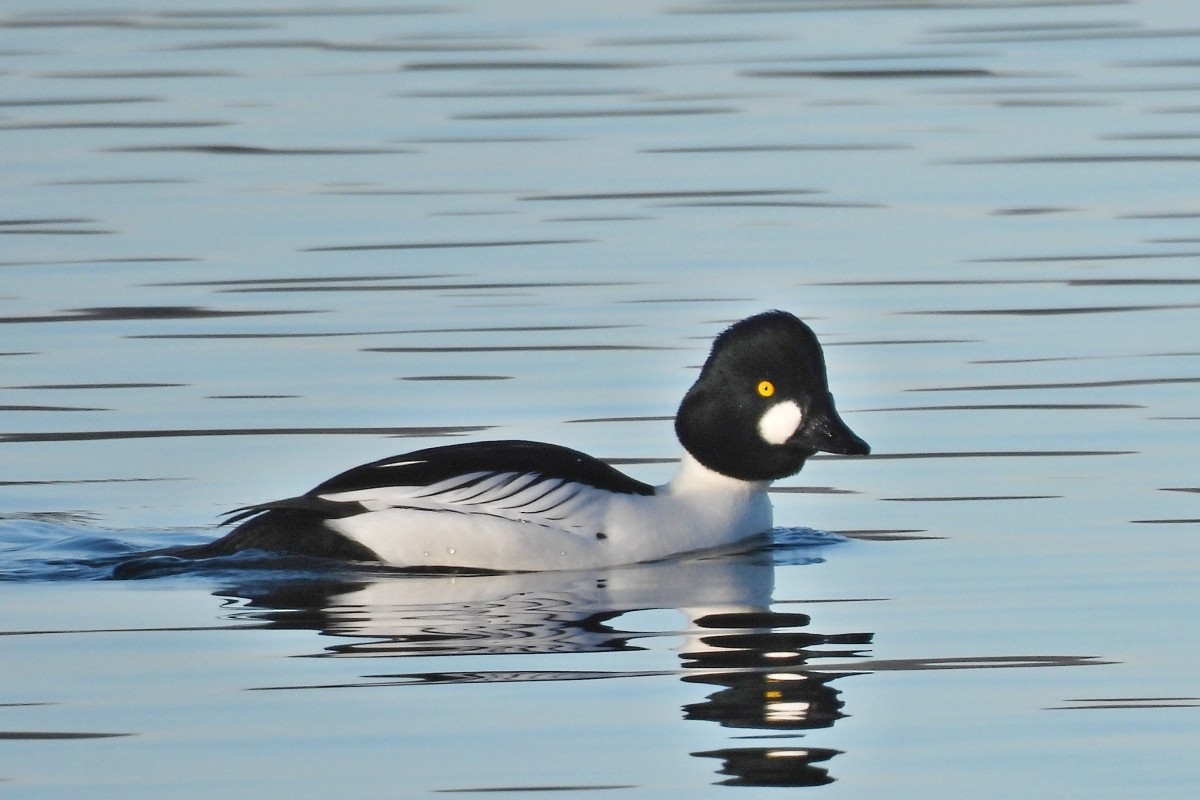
426	467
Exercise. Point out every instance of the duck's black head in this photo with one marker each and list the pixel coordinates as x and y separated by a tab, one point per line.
761	405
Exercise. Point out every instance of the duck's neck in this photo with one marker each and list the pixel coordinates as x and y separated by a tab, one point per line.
695	477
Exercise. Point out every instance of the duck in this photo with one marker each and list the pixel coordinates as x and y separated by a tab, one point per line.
759	409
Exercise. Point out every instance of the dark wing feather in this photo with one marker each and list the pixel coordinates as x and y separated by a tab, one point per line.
295	526
326	509
436	464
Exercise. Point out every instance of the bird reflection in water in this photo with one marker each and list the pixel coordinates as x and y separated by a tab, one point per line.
760	660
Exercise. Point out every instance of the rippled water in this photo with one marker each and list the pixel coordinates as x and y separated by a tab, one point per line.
246	247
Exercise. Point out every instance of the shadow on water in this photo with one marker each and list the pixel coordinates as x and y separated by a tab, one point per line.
770	675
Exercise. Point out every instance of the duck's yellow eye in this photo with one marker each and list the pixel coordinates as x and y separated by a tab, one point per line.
766	388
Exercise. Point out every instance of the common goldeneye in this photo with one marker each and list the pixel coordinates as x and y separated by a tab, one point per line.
760	407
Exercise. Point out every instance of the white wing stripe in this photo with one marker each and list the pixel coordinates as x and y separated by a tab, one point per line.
551	500
513	484
524	497
468	492
483	487
531	493
442	486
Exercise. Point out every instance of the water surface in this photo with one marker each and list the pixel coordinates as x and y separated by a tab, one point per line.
244	248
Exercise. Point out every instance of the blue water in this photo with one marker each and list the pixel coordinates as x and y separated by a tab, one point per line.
243	248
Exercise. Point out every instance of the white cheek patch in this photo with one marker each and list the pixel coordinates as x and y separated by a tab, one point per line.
780	422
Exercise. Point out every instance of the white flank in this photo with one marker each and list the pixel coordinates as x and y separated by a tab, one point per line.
508	521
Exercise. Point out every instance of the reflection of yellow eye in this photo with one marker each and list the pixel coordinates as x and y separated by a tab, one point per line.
766	388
